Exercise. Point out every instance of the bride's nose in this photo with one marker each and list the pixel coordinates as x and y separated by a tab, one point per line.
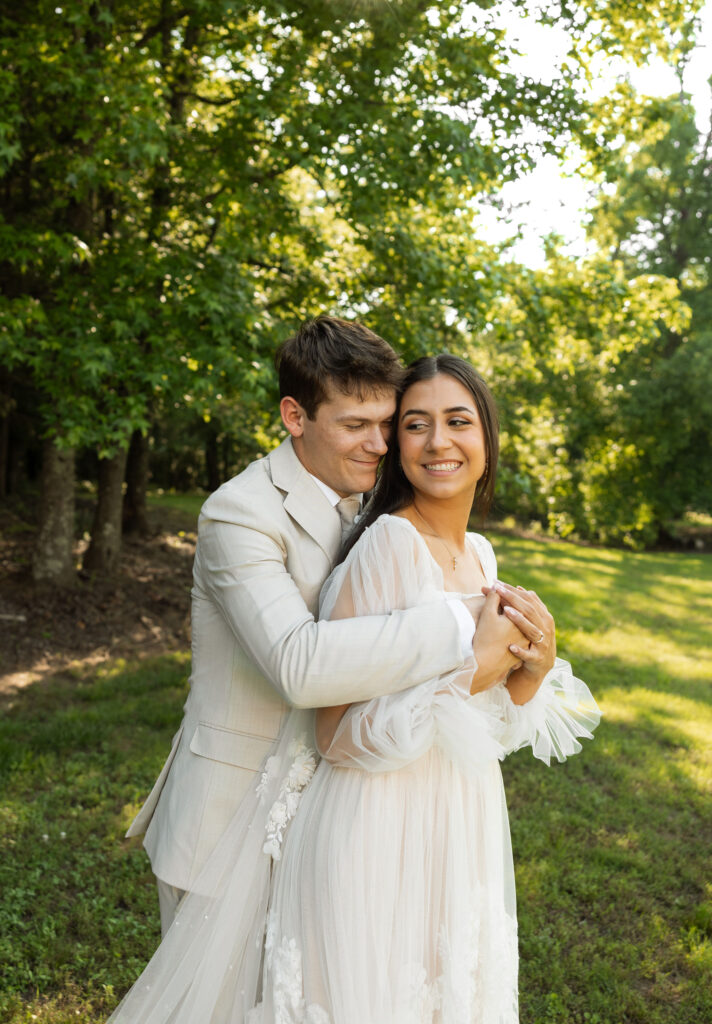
438	438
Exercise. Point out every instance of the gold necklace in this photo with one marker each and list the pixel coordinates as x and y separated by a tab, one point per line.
435	534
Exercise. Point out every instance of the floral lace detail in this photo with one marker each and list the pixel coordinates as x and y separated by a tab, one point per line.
479	972
459	956
287	985
269	773
417	999
284	964
477	983
317	1015
285	806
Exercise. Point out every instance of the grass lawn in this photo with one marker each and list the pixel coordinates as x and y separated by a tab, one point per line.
188	505
612	849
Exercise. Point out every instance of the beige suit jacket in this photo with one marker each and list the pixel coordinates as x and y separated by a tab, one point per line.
266	543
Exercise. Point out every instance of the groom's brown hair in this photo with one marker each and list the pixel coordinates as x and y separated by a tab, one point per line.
341	353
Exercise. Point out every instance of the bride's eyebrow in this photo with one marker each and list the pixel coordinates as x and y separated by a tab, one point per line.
423	412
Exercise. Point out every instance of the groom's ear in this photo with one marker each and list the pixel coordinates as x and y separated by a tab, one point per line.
293	416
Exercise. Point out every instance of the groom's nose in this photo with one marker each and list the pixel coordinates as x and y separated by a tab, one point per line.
376	441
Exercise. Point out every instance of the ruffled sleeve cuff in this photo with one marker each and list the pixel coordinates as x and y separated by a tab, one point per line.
552	722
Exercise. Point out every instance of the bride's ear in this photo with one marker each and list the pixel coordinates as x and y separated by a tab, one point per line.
293	416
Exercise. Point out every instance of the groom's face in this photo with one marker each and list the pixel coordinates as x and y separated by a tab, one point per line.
346	440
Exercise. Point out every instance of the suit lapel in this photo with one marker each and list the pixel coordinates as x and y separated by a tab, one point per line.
303	500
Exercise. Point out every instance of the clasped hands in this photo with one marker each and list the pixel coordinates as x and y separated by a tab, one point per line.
515	639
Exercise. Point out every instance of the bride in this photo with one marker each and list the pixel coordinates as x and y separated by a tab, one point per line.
374	885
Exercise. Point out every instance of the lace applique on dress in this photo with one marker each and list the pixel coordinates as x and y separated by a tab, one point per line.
283	960
285	806
477	983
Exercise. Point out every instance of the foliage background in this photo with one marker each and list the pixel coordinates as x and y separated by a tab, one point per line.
183	183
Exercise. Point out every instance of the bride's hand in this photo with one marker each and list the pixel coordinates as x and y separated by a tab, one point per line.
528	612
474	606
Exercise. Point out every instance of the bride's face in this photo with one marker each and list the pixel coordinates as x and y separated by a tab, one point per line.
441	440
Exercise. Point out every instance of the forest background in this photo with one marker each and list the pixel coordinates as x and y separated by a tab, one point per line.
184	181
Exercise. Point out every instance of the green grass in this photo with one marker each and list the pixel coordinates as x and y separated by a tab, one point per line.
189	504
611	849
78	908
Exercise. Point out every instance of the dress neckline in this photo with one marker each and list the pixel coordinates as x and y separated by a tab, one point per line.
469	537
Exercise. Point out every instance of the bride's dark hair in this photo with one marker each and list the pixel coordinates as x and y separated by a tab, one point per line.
393	490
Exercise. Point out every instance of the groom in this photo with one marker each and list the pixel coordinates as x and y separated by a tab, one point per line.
267	540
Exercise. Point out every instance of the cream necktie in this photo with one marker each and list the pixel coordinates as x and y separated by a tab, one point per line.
348	509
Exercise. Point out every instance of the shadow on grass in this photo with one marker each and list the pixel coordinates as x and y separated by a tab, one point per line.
635	619
594	587
79	910
612	848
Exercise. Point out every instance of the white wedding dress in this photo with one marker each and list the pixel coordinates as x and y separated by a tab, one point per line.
376	887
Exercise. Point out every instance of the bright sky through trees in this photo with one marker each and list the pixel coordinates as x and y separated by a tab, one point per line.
553	198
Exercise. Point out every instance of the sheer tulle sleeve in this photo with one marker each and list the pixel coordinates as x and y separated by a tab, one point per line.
391	568
561	712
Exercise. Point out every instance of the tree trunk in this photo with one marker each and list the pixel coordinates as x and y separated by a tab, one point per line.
104	551
226	457
135	513
4	449
212	463
7	404
53	560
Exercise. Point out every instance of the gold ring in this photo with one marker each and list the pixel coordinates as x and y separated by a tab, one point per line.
539	638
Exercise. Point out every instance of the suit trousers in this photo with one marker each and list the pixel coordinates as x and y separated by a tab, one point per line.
169	896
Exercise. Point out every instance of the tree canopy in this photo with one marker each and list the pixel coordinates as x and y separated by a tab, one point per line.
183	181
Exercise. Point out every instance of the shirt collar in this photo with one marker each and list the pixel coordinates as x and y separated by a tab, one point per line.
330	493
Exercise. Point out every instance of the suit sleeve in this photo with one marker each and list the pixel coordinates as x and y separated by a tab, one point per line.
316	663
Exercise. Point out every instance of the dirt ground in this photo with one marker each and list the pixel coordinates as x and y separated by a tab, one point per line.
144	611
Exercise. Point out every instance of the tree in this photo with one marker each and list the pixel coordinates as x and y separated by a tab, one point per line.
655	215
183	182
557	350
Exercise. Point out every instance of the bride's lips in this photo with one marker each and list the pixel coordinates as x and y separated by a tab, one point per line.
443	468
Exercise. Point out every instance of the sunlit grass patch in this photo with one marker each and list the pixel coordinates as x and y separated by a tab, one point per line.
189	504
612	848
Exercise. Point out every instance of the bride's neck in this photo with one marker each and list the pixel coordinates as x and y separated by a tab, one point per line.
446	518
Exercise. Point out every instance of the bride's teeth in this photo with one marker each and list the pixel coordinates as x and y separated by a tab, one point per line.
442	465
